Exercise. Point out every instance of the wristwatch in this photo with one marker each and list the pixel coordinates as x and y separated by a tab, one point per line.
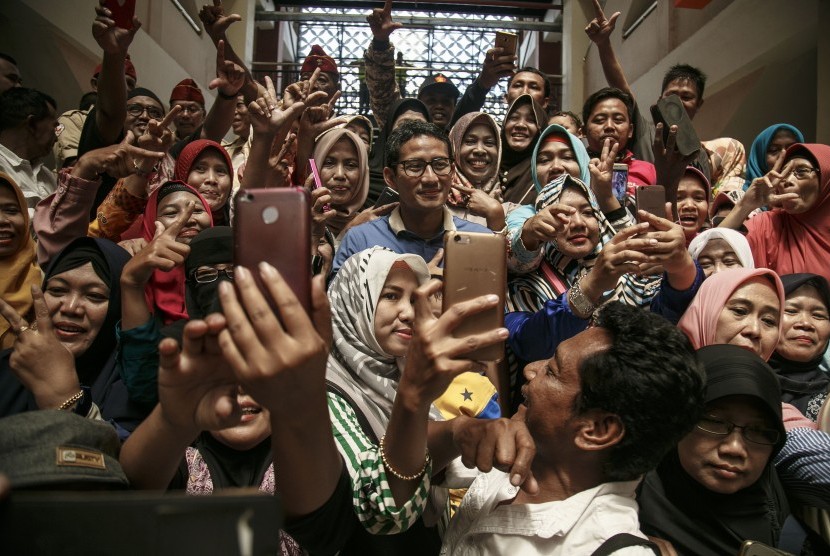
579	303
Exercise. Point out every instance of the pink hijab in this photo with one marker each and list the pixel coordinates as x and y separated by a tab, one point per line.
700	320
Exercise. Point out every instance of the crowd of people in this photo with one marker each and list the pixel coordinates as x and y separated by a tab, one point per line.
662	384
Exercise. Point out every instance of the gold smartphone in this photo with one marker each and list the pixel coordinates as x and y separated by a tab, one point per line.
507	41
475	264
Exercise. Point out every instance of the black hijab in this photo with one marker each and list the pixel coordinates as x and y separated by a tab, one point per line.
96	367
378	160
211	246
803	383
675	507
514	170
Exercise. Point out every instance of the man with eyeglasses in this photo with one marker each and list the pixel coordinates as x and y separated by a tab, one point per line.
419	167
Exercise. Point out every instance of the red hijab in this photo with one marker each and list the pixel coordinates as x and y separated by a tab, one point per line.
165	290
795	243
188	157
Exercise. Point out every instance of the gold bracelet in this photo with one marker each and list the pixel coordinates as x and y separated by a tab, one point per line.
397	474
71	401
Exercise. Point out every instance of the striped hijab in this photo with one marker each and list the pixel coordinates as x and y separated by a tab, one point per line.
357	364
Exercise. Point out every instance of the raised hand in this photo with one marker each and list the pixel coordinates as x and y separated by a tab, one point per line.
111	38
158	137
119	160
668	162
381	23
370	214
435	357
496	66
600	28
769	188
602	170
623	254
321	212
280	362
215	21
481	204
668	251
268	118
229	76
545	225
39	360
162	253
197	390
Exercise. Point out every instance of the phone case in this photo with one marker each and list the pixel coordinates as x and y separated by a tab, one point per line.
475	264
651	198
670	111
387	195
508	41
122	12
274	225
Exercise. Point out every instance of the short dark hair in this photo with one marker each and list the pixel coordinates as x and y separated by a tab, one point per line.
651	379
529	69
408	130
606	93
87	100
685	71
575	117
8	58
18	103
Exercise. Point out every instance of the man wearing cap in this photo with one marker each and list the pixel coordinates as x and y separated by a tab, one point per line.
71	122
328	80
188	95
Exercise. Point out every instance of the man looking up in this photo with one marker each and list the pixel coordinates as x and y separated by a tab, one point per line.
603	411
419	167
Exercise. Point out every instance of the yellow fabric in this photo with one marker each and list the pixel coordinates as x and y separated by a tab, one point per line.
18	271
468	394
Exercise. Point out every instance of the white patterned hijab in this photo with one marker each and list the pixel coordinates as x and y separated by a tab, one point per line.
357	364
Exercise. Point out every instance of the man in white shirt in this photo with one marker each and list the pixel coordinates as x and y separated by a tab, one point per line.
605	409
27	133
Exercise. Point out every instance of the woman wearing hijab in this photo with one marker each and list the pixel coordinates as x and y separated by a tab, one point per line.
209	263
767	147
404	109
476	147
343	166
719	487
523	123
19	270
794	237
68	360
803	343
739	306
206	166
718	249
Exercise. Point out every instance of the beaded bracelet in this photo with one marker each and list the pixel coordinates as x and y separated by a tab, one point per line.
397	474
71	401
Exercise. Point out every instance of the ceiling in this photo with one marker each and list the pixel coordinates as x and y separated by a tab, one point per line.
517	8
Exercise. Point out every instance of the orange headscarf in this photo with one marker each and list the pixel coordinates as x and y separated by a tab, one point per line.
19	270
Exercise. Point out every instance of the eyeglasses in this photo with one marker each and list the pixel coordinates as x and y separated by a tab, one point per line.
416	168
721	427
136	110
209	274
804	172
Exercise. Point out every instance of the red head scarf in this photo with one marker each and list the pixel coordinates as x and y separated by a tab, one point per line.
165	290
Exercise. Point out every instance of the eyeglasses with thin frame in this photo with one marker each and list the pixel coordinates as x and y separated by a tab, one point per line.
804	172
136	110
209	274
415	168
753	433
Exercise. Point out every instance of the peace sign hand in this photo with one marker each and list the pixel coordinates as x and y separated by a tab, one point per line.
43	364
164	252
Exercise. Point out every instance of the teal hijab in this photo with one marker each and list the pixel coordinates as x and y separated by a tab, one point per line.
756	162
577	147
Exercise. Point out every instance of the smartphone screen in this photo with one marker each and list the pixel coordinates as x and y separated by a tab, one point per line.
122	12
619	181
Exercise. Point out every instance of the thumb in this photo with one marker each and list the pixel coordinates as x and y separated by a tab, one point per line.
129	138
613	19
436	260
